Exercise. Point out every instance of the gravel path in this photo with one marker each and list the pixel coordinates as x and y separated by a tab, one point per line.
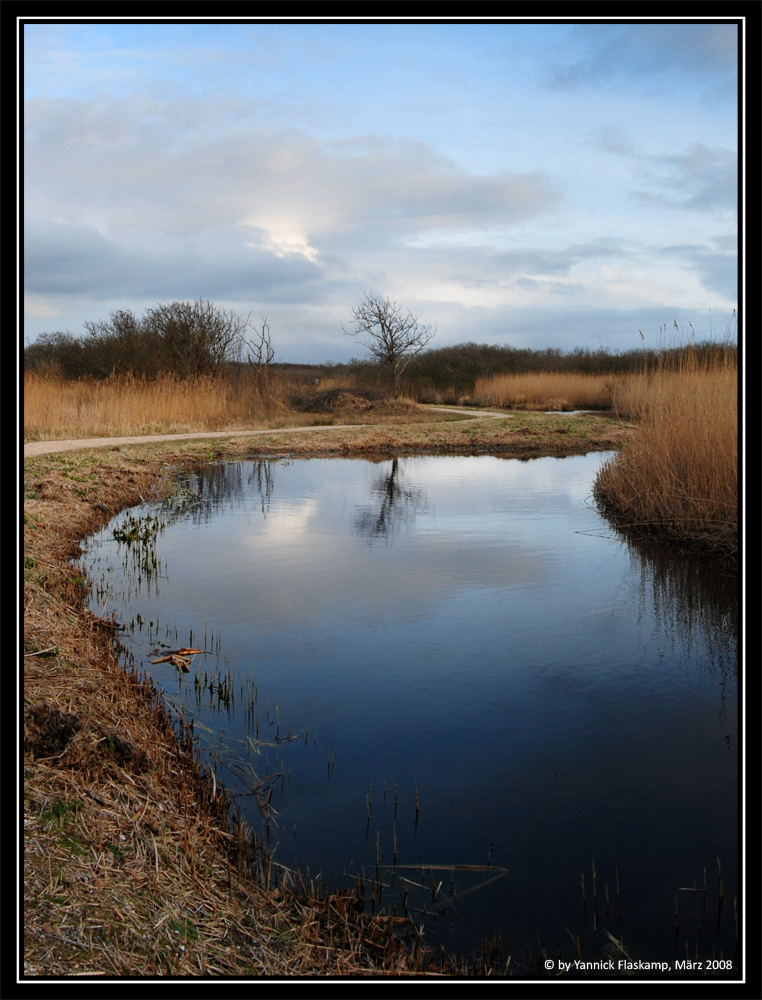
34	448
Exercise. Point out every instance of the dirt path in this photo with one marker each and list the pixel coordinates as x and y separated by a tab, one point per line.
35	448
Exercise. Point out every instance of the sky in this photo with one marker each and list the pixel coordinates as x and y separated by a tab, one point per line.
532	184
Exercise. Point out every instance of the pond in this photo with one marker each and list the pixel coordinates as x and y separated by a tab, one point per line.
449	677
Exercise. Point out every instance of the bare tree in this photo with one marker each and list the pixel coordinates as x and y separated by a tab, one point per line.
197	337
391	337
57	354
121	344
259	354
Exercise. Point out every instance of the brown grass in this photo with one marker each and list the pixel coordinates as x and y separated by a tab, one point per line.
122	405
677	477
546	391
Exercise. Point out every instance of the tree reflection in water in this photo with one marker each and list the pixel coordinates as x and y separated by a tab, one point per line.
219	487
394	503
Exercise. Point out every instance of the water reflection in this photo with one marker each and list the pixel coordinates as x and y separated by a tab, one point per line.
694	602
532	690
694	606
394	502
222	487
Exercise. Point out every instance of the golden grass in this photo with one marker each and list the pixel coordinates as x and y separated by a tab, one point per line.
545	390
677	477
123	405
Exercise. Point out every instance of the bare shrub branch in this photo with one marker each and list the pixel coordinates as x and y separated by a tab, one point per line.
260	353
197	337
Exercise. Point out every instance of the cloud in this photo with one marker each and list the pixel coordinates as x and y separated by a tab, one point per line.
173	200
612	139
701	178
716	267
480	273
62	258
683	55
184	167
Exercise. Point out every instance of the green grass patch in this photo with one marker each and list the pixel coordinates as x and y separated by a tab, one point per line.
75	846
118	852
59	811
185	928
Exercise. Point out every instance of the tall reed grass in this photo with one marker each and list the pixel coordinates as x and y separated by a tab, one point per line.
677	477
546	390
55	408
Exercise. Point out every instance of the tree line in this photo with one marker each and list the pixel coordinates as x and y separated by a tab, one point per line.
198	338
182	338
459	366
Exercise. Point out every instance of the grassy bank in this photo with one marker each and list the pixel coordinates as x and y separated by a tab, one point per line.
676	479
131	866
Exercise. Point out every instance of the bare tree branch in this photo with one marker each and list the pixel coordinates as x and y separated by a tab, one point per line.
259	353
197	337
391	337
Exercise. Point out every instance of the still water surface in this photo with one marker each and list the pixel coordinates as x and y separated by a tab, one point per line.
475	670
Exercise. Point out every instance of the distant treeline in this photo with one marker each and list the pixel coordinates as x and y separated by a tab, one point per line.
458	367
178	338
198	338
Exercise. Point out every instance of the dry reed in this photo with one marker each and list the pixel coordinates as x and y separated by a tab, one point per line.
677	477
545	390
123	405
